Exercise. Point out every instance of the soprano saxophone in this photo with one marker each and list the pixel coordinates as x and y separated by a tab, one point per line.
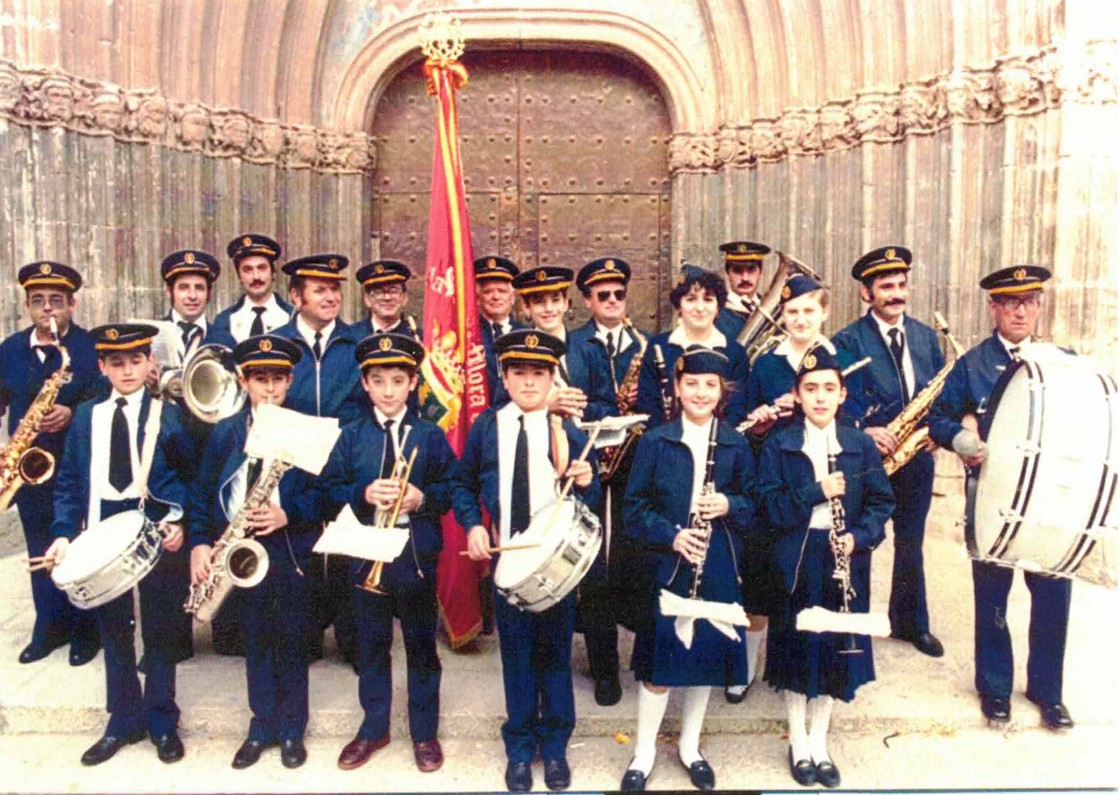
21	463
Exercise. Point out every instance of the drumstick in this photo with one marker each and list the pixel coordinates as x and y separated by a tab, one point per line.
591	437
506	548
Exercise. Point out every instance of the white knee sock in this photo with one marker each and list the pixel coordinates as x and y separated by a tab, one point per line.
651	709
795	715
820	713
692	721
754	641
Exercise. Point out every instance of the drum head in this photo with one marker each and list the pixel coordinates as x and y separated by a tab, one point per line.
546	529
98	546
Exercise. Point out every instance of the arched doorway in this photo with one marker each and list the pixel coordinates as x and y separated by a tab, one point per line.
565	157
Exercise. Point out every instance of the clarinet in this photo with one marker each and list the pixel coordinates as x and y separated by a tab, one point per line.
843	571
695	521
663	384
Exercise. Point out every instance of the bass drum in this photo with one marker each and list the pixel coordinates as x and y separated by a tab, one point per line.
108	559
1046	494
569	536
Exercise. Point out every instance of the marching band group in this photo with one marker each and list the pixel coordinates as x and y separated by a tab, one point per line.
758	482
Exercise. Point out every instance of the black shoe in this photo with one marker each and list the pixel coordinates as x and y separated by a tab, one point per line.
702	775
1054	716
828	775
82	653
249	753
106	748
519	777
169	748
633	781
736	696
997	709
557	775
929	645
292	752
608	691
803	772
33	652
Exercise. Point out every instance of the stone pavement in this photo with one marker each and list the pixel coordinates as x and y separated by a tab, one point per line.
917	726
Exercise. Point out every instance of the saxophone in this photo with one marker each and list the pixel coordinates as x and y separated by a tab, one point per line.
20	462
905	427
236	559
612	457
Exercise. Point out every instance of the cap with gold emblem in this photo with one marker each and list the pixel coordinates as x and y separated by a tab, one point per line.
1016	279
495	268
267	350
531	346
702	360
318	266
743	252
542	279
251	244
797	285
389	350
819	358
382	271
604	269
49	274
886	259
123	337
189	261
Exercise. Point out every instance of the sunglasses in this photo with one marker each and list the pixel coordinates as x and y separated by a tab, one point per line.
605	295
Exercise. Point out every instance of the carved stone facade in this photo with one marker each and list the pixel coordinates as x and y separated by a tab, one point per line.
43	98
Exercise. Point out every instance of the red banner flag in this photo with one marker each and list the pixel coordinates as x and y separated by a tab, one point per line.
454	390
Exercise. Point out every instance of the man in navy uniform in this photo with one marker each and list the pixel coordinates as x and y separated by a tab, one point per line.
384	294
509	466
905	355
102	475
959	421
27	359
190	275
259	309
742	260
493	276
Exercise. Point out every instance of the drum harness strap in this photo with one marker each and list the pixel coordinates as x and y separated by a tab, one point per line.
151	434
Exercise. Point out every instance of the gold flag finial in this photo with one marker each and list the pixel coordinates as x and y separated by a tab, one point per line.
441	37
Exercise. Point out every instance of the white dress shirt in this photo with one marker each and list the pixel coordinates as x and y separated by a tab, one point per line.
737	304
907	362
542	475
715	338
818	443
695	438
621	337
504	325
1021	346
308	333
241	321
199	321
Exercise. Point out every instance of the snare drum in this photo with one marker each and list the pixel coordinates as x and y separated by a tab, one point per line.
108	559
1046	494
537	578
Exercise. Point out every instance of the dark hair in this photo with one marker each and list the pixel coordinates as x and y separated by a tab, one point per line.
709	282
237	262
726	390
800	375
408	368
869	282
511	362
144	349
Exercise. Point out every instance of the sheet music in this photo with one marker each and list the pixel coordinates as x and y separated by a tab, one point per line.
165	345
299	439
346	535
612	430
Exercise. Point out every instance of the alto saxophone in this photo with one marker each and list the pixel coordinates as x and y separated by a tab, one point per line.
612	457
21	463
905	427
236	559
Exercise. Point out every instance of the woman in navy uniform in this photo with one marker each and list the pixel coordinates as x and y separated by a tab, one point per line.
698	296
27	359
274	613
99	477
795	485
359	473
508	469
658	512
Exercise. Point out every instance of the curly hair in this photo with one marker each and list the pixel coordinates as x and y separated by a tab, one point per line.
708	281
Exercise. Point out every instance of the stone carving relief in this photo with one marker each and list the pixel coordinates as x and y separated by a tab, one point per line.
48	98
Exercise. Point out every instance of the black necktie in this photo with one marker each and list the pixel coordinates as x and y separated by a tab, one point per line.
317	349
897	345
120	453
611	353
41	352
258	322
389	463
1014	351
497	329
519	512
189	330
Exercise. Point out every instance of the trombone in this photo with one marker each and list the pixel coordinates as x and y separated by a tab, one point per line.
386	519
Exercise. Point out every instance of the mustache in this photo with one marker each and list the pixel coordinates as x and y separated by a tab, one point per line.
896	302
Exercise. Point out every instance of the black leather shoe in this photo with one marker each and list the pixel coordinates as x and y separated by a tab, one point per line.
519	777
169	748
106	748
33	652
929	645
702	775
82	653
633	781
292	752
1054	716
249	753
608	691
736	696
803	771
557	775
828	775
997	709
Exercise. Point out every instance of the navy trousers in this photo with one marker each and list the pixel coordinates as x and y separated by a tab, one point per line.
596	608
274	622
414	603
913	490
537	674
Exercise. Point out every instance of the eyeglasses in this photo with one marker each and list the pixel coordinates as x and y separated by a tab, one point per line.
1012	303
385	290
605	295
56	302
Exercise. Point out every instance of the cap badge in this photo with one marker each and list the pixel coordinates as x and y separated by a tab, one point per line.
385	344
45	269
742	248
246	241
1020	274
188	258
266	346
333	264
111	334
541	275
491	263
809	362
532	341
379	268
890	254
786	292
609	265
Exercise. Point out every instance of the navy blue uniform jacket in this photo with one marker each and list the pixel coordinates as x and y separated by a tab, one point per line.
218	332
649	386
967	391
730	323
590	369
331	387
771	377
175	454
493	372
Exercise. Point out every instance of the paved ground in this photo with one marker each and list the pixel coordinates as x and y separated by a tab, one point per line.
917	726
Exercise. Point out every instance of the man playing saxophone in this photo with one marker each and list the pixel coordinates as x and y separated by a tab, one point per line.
905	356
34	365
274	614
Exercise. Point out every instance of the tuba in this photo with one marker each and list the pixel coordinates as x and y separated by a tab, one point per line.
763	331
209	384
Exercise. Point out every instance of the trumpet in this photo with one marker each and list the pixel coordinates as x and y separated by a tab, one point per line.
386	518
